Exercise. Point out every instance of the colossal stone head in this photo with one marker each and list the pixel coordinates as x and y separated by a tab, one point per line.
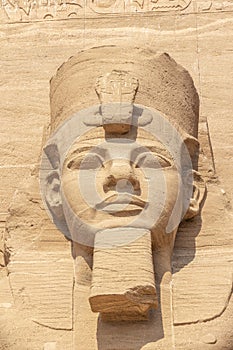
120	165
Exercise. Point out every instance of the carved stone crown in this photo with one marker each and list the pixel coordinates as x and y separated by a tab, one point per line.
117	86
163	85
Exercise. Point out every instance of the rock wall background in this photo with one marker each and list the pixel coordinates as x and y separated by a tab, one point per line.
199	36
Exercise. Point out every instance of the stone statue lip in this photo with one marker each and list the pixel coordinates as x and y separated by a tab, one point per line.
121	202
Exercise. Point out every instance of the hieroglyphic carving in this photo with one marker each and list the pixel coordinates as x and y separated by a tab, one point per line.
204	6
132	6
17	10
26	10
29	10
172	5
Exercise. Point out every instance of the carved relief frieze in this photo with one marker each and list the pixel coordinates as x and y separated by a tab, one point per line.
31	10
27	10
134	6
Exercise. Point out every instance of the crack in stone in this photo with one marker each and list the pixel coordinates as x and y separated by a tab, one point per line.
54	328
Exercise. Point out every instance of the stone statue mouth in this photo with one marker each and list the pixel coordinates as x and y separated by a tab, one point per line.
121	202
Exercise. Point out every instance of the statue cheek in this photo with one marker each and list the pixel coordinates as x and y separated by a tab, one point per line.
69	183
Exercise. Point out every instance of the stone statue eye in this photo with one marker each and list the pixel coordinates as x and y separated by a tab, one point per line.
151	160
89	161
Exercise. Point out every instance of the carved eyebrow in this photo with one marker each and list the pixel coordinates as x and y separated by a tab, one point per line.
76	152
91	149
154	149
103	152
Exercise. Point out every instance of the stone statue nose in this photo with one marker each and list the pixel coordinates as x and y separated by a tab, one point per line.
122	177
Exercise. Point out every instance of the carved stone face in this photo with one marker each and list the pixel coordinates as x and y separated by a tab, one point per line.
118	177
127	171
119	182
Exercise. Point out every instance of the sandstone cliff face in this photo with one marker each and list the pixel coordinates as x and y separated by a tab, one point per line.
41	308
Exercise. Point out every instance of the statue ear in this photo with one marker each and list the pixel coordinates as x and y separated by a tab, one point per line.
199	191
53	193
192	145
52	152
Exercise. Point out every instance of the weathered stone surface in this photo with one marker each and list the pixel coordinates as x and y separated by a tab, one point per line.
40	271
50	346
